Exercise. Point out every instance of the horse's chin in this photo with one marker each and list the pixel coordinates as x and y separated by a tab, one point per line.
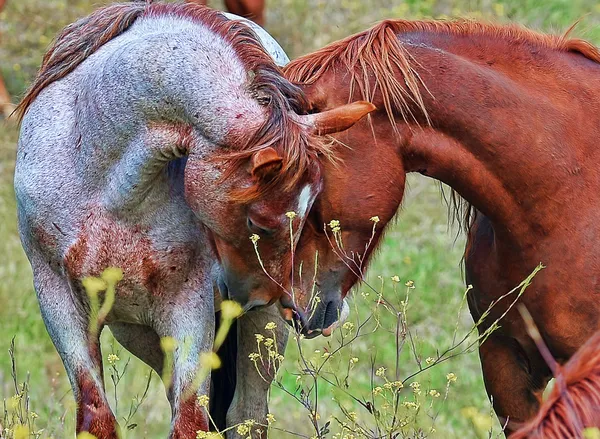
344	313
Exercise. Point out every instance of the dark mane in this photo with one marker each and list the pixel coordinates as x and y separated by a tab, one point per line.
267	85
574	402
378	52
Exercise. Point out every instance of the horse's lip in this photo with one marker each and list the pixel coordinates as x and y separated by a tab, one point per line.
344	312
293	316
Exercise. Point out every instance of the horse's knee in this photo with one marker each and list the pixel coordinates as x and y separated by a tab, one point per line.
513	381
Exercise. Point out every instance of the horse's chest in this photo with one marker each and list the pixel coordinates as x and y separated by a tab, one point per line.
563	298
150	264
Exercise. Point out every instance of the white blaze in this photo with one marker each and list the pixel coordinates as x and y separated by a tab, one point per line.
303	200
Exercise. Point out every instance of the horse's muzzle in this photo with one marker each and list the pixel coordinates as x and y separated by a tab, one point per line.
323	319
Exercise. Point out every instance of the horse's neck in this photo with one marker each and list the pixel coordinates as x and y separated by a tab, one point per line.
512	147
162	70
150	95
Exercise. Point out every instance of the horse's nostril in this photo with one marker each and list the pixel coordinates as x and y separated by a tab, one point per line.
332	313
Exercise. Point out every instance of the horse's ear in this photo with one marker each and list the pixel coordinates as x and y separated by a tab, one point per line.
265	162
338	119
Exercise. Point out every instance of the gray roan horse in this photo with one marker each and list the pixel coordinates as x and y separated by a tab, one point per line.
154	137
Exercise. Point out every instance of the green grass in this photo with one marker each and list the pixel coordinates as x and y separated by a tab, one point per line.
420	247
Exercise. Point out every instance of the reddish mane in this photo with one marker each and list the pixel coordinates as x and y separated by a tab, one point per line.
574	403
297	147
378	53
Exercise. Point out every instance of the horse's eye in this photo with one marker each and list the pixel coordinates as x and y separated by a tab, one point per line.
259	230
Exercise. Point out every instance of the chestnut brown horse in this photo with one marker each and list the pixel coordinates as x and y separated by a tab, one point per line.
251	9
574	403
157	138
5	102
510	119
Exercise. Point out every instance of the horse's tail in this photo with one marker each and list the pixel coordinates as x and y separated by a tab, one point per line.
223	379
77	42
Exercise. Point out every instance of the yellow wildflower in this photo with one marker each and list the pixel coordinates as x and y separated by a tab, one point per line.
380	372
254	238
230	310
243	429
398	384
210	360
375	219
591	433
21	432
93	285
112	358
416	387
348	326
291	214
451	377
270	326
270	418
168	344
112	275
203	400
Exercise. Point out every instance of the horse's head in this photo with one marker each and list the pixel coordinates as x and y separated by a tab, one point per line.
360	196
255	201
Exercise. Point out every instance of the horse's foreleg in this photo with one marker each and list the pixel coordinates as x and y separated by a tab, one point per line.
515	387
252	388
189	321
67	323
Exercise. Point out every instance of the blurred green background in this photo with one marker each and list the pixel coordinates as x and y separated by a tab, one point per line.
421	246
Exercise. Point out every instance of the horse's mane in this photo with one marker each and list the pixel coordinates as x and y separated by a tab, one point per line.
574	403
378	53
299	149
